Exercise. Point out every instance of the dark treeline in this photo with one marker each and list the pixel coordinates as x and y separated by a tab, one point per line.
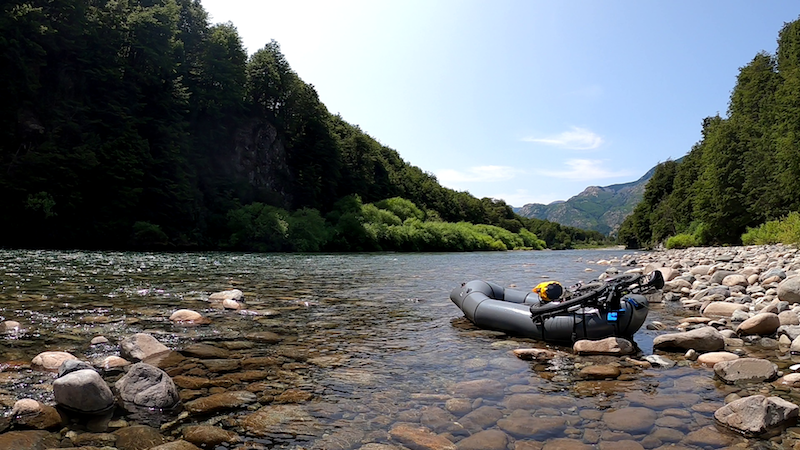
136	124
745	169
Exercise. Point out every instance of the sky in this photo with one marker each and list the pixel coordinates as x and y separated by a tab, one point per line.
528	101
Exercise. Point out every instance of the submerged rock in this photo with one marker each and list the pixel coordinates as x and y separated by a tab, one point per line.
757	414
141	346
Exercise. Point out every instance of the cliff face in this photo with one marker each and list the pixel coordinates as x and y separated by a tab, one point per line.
599	208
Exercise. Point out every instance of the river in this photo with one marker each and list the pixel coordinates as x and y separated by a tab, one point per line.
381	341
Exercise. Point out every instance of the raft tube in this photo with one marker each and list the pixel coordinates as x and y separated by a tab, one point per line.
493	307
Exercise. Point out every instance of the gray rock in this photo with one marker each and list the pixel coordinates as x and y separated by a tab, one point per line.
147	386
706	339
789	290
745	370
141	346
607	346
792	331
73	365
84	391
780	273
762	324
757	414
660	361
719	276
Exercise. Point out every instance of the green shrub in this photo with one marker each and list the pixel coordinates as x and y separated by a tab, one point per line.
785	230
682	241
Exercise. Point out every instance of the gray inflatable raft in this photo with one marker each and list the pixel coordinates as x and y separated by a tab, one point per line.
519	313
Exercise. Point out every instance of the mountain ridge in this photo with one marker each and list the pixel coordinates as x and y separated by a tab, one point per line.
598	208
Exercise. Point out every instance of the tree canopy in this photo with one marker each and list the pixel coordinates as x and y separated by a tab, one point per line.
138	124
743	171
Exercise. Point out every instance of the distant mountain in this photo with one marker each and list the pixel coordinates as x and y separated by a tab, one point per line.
596	208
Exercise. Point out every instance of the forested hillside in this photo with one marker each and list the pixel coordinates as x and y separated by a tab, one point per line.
744	170
137	124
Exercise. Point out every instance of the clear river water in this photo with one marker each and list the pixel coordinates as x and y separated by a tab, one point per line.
372	339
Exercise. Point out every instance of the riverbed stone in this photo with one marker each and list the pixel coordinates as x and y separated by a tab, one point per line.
745	370
789	290
536	354
481	418
482	388
222	401
270	419
206	351
722	309
757	414
705	339
138	437
525	426
763	324
230	294
10	326
180	444
635	420
417	437
600	372
711	358
789	380
207	436
187	317
484	440
30	413
83	391
531	401
50	361
141	346
608	346
29	440
147	386
735	279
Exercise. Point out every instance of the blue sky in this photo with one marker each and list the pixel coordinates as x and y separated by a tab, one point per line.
528	101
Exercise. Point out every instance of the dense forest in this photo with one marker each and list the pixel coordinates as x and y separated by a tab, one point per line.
745	169
136	124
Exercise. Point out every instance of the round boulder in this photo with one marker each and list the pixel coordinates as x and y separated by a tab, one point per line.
757	414
705	339
50	361
187	317
763	324
83	391
147	386
789	290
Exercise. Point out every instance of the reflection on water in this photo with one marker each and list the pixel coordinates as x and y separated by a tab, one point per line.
379	342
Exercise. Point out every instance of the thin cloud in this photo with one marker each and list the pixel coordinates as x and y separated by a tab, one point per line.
575	139
478	174
585	170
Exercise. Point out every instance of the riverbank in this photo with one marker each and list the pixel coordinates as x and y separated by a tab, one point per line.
366	352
